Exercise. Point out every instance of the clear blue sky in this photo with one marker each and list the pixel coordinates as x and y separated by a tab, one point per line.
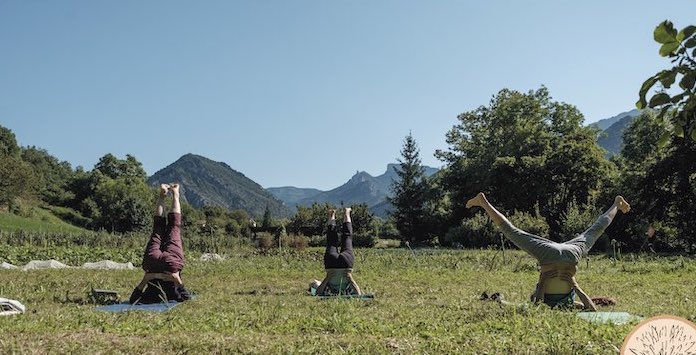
304	93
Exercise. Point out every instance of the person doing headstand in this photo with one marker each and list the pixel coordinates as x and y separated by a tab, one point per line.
557	286
163	259
339	265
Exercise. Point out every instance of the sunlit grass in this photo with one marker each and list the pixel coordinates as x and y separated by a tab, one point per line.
426	302
40	221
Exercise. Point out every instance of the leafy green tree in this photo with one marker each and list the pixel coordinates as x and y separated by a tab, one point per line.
16	180
410	194
53	176
659	182
16	177
680	47
115	168
528	151
8	143
362	219
125	205
114	195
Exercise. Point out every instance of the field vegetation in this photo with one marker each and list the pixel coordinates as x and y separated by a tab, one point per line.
426	301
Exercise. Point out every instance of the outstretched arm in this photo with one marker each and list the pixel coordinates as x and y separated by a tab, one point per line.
584	298
354	284
322	286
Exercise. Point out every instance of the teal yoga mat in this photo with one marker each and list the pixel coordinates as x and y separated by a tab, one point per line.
367	296
609	317
125	307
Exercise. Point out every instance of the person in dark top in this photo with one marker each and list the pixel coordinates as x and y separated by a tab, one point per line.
163	259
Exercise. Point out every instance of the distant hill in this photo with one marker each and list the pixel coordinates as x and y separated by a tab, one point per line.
291	195
607	122
611	138
206	182
361	188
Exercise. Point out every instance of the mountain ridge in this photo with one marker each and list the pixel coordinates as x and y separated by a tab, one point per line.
209	183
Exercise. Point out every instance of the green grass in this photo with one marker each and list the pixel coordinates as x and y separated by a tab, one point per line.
426	302
40	220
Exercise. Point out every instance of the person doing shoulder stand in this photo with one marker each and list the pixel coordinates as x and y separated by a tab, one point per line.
339	265
163	258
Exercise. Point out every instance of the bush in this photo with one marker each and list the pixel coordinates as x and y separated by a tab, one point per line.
265	241
575	221
474	232
364	240
299	242
71	216
480	232
531	224
317	241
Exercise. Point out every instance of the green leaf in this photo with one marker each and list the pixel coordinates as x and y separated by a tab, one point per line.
690	43
647	84
679	131
676	98
662	142
686	33
667	77
668	48
659	100
693	134
687	81
665	33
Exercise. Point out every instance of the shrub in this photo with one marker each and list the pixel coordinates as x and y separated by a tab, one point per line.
265	241
576	220
299	242
317	241
480	232
474	232
534	224
364	240
71	216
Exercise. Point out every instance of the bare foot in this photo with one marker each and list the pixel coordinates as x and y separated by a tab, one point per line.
478	200
174	188
164	188
622	204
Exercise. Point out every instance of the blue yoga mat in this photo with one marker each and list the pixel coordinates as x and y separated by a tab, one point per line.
609	317
125	307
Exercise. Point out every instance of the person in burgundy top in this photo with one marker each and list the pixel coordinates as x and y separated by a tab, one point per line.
163	259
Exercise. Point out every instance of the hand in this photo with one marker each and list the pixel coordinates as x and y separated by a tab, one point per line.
176	278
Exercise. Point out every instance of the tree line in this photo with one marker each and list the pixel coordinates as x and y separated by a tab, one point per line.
543	168
532	155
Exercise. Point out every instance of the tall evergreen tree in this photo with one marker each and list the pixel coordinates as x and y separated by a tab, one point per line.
267	220
410	194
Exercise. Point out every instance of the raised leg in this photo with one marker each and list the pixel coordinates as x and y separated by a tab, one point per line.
544	250
346	256
588	238
331	255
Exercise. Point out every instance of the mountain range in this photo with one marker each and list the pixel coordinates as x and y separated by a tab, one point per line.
360	188
206	182
611	138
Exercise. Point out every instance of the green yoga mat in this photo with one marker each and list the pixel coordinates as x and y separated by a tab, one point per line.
367	296
609	317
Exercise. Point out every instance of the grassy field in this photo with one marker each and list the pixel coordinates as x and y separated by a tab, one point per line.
41	221
426	302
